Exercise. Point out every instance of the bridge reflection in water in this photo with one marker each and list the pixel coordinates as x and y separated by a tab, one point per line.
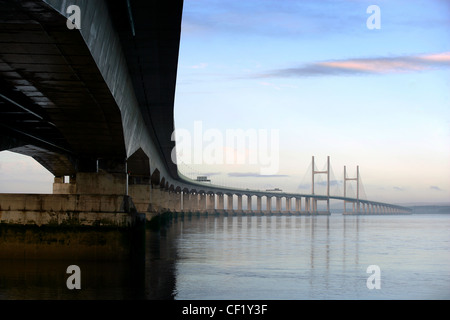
185	249
258	257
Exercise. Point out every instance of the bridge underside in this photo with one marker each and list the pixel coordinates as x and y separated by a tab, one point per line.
80	100
55	105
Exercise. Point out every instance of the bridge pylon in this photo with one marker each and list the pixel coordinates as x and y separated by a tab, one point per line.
357	189
327	172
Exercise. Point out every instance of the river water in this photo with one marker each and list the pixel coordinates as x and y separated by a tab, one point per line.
261	258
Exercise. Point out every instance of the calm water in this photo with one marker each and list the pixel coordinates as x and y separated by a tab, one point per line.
257	257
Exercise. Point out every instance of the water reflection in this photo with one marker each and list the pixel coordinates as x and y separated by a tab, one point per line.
259	257
306	257
152	278
254	249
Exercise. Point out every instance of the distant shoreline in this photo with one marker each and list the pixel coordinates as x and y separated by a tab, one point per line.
430	209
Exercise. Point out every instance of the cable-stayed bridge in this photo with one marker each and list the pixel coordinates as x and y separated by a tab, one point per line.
205	195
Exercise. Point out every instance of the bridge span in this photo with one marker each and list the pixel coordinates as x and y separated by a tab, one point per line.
198	197
93	102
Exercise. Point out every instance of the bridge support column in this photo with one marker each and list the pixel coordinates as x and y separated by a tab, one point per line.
288	204
141	196
105	183
194	202
258	204
202	206
298	205
220	202
161	198
230	208
155	196
169	200
176	202
268	204
239	203
210	202
278	204
314	206
249	203
186	201
307	208
165	199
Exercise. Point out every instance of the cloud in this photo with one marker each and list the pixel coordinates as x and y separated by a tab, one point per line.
436	188
365	66
399	189
255	175
202	65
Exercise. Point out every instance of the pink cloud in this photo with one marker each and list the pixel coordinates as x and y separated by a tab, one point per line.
379	65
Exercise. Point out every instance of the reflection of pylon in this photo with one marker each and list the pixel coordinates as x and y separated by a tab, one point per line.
327	172
357	189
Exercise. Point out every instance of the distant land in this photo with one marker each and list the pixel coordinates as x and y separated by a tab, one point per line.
430	209
417	207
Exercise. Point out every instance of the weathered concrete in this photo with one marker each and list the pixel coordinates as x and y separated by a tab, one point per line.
93	183
105	227
68	210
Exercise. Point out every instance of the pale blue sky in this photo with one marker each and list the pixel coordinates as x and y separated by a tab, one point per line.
290	66
313	71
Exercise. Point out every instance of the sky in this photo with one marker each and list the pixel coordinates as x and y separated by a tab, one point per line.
308	78
331	86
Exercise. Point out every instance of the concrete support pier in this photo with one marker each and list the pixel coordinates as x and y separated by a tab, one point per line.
69	226
210	202
230	203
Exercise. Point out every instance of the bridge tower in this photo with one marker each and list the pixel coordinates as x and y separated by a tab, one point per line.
357	189
327	172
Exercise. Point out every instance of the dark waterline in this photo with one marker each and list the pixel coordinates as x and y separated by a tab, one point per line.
268	257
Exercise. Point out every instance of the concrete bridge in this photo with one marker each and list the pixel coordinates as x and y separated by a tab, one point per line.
87	89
